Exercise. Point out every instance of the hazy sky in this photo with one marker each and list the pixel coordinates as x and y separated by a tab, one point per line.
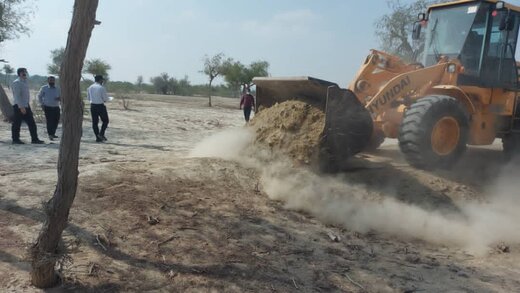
325	39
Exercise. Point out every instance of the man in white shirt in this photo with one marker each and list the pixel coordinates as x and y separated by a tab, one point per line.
49	98
97	96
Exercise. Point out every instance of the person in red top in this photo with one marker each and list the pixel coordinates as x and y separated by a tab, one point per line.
247	102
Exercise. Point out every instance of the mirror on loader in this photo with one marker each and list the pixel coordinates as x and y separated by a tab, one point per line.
507	22
416	33
417	26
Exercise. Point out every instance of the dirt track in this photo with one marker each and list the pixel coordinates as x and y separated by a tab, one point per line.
150	217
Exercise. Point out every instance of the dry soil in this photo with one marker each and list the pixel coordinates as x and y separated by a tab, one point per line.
182	199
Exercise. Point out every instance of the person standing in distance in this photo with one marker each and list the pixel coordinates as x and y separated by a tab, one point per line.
49	98
22	109
97	96
247	102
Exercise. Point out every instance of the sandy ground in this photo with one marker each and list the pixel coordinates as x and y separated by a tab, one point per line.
180	200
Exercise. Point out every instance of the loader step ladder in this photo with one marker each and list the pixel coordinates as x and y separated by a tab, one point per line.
515	121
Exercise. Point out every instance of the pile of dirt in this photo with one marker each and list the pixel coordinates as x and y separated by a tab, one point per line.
292	127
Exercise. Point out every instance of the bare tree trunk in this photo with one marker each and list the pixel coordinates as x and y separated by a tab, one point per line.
209	104
5	105
45	252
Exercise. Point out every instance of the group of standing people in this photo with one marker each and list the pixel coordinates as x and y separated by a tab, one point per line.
49	98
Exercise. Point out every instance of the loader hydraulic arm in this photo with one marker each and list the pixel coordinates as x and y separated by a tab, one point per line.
410	84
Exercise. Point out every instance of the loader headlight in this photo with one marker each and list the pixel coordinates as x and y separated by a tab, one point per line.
452	68
361	85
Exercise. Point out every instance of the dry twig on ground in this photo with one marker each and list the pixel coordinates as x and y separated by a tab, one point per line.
354	282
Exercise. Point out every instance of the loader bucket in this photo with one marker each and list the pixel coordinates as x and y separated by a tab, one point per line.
348	125
348	128
272	90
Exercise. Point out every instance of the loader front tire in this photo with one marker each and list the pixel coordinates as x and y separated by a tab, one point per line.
434	132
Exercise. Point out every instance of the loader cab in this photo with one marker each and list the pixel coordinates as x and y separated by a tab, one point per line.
482	35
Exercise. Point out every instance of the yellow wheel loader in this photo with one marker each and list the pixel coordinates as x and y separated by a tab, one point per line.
463	92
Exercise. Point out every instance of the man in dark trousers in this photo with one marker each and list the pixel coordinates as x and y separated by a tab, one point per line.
247	102
22	109
49	98
97	96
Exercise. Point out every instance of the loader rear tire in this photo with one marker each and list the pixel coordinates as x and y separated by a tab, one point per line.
434	132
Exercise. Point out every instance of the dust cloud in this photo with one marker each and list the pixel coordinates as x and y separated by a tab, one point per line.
227	144
498	219
335	200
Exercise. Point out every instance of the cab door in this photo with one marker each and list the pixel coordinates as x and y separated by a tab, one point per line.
499	69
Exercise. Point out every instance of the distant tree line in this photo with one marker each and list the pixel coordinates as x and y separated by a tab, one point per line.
177	87
235	75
